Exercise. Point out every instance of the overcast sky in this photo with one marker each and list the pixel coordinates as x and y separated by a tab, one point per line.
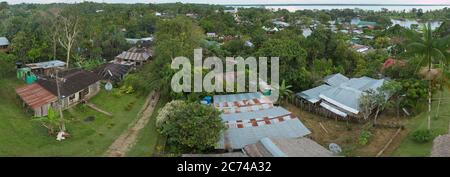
249	1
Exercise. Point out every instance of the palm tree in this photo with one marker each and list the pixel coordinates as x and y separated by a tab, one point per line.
432	50
284	91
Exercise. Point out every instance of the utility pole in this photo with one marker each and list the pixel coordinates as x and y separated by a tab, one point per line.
62	125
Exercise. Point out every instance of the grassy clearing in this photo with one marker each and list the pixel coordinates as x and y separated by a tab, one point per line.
347	135
23	137
439	125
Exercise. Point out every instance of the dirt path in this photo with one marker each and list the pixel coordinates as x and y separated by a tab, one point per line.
127	139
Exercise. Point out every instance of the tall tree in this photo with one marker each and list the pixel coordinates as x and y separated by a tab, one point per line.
175	37
68	34
432	50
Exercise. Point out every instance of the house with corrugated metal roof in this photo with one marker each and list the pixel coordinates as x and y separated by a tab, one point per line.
4	44
75	86
45	68
361	48
37	98
145	42
281	147
249	117
338	97
211	34
112	72
135	56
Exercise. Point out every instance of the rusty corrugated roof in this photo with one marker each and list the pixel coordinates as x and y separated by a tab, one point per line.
35	95
136	54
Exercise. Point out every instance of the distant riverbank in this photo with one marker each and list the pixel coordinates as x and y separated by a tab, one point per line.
375	7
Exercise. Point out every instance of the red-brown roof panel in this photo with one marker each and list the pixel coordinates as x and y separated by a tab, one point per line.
35	95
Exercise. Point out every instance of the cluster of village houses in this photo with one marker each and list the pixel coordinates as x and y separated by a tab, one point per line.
256	127
47	81
355	29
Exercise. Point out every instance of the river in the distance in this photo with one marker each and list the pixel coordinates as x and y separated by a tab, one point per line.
293	8
367	7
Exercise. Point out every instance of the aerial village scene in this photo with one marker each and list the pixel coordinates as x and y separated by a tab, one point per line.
94	79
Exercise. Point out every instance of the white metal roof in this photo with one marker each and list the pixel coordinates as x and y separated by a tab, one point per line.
332	109
312	95
270	113
272	147
47	64
4	41
343	93
237	97
344	98
238	138
335	79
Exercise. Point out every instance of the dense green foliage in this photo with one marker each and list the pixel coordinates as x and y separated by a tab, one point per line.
180	28
193	127
35	33
422	136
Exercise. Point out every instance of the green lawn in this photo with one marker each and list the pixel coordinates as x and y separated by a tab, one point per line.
439	125
22	137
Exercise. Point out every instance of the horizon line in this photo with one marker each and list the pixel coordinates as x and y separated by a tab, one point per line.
254	4
329	4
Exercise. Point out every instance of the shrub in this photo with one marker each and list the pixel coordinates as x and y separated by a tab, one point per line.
163	113
126	89
422	136
364	137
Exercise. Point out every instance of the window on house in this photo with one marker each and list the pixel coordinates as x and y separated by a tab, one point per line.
72	98
85	92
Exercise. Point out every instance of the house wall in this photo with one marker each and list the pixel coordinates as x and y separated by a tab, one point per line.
317	109
43	110
93	90
4	48
75	99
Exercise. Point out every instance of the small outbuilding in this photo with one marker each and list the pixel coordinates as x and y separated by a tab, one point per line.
112	72
211	35
4	44
135	56
36	98
361	48
45	68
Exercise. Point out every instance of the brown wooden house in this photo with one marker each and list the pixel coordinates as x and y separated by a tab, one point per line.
75	86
